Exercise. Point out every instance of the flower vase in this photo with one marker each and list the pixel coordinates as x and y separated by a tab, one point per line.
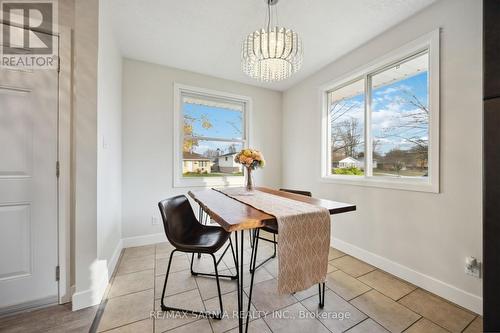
249	180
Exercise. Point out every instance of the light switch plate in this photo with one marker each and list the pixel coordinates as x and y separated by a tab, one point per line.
155	220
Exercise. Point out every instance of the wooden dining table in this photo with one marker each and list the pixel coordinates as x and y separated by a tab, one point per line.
235	216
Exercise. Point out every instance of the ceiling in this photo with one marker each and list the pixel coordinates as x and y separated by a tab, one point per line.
205	36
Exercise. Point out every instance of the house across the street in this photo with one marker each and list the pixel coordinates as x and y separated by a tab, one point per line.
192	162
226	163
351	162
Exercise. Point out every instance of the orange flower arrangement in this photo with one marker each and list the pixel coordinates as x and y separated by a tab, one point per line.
250	158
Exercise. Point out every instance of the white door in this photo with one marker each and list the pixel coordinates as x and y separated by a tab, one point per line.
28	187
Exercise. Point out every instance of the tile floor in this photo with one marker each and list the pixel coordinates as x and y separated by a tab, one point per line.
359	298
54	319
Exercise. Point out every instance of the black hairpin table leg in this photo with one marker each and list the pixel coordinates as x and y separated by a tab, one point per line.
240	273
253	260
244	314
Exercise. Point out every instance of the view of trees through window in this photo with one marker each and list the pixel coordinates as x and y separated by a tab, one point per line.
399	122
213	132
346	116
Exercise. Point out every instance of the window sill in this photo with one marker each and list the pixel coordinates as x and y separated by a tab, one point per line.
407	184
209	181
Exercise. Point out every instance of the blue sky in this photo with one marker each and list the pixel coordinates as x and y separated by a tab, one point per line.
226	124
389	108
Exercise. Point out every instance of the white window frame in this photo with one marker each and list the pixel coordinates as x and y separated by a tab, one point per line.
178	179
428	42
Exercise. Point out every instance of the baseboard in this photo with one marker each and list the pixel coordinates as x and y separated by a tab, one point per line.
91	296
103	270
143	240
114	259
443	289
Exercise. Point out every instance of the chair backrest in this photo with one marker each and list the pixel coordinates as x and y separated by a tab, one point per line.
178	218
306	193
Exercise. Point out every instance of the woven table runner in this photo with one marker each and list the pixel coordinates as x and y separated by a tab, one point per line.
304	237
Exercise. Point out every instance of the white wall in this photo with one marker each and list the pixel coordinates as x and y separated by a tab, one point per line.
109	140
96	171
422	237
84	146
148	133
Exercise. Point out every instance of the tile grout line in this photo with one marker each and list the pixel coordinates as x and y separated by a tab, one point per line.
349	302
201	297
298	302
120	326
416	322
185	324
102	306
397	301
366	314
141	270
413	323
180	292
399	279
469	324
133	292
422	316
362	321
376	269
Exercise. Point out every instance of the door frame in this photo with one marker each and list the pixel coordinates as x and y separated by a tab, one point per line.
64	153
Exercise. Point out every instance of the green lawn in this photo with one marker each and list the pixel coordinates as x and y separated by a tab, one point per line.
348	171
407	173
379	172
213	174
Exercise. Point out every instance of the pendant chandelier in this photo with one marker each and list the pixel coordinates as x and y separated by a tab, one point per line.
271	53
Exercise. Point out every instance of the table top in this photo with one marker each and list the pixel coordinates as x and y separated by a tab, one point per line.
233	215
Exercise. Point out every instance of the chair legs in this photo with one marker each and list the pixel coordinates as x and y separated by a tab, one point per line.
252	267
216	275
232	277
200	313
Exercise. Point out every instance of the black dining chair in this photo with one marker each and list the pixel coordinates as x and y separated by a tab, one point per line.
186	234
273	229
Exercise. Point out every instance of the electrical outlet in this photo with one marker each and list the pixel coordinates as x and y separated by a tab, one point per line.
155	220
472	267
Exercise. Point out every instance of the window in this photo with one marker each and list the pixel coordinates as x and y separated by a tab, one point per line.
211	127
346	113
380	125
